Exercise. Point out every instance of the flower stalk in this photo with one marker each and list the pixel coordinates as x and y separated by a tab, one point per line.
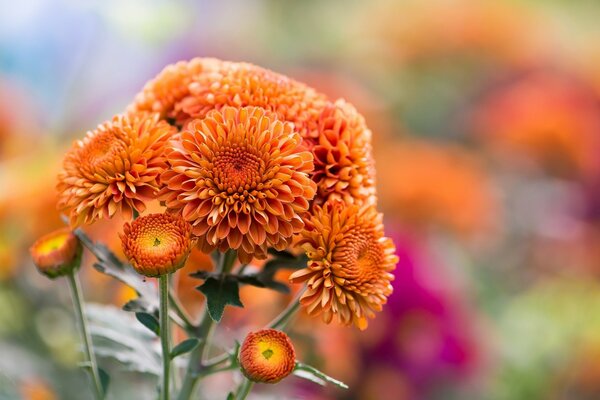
244	389
163	284
90	358
204	334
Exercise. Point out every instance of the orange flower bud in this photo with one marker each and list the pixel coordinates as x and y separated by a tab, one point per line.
267	356
57	253
157	244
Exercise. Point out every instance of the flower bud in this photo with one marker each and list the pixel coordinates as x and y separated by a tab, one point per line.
57	253
157	244
267	356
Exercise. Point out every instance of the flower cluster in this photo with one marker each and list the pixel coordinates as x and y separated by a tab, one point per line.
243	159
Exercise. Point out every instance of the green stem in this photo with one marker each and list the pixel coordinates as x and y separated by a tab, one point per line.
244	389
181	313
204	333
75	286
282	319
163	283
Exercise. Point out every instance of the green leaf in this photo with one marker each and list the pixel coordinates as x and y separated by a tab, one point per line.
149	321
219	293
312	374
230	396
116	335
104	381
184	347
259	280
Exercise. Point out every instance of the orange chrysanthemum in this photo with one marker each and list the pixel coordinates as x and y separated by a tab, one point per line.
114	168
350	260
172	85
190	90
240	177
57	253
157	244
344	166
267	356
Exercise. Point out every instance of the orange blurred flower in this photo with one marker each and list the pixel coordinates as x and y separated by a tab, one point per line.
57	253
504	32
36	389
545	116
344	166
267	356
240	177
114	168
157	244
424	183
350	260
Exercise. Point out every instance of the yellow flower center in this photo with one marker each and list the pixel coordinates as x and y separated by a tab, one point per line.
52	244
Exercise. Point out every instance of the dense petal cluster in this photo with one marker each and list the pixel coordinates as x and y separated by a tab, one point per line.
240	177
348	274
157	244
57	253
190	90
114	168
267	356
172	85
344	165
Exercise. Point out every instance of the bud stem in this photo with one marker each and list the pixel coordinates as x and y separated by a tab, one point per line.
244	389
290	311
163	284
78	303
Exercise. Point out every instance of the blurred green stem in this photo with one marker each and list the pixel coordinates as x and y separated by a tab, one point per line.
163	284
204	333
75	286
244	389
282	319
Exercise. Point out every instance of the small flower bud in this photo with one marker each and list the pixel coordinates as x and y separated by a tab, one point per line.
157	244
267	356
57	253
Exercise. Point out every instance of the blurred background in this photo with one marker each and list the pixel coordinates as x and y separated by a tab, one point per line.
486	120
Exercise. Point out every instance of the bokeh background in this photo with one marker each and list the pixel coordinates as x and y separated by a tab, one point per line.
486	120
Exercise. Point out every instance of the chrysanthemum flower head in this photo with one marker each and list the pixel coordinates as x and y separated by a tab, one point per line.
57	253
157	244
114	168
240	177
171	86
267	356
189	90
348	274
344	166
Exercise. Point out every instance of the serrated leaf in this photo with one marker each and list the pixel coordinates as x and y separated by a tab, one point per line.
311	373
104	381
149	321
261	281
219	293
280	253
139	305
184	347
204	274
117	335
